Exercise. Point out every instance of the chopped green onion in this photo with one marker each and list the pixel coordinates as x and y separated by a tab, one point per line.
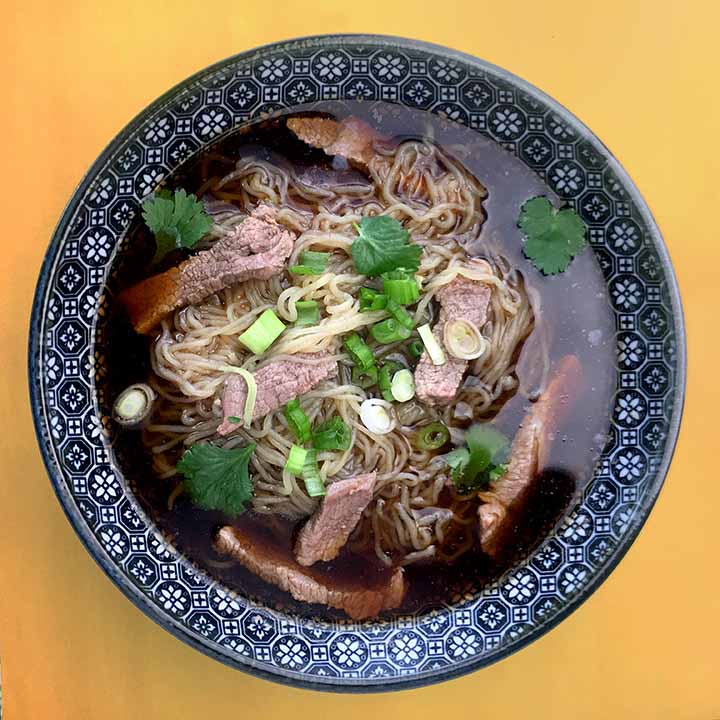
262	333
432	436
249	379
400	314
296	460
234	419
403	385
385	378
364	378
377	416
415	349
359	352
389	331
297	421
332	435
437	356
371	300
308	312
311	475
463	340
311	263
133	405
401	287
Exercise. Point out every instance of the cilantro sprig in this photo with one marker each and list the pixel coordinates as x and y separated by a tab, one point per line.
481	461
383	245
217	478
554	237
177	220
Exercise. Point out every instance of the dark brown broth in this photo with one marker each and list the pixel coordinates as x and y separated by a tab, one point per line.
574	316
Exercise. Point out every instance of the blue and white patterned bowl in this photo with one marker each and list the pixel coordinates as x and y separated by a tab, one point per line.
67	365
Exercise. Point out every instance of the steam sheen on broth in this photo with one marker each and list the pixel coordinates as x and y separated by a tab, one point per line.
459	196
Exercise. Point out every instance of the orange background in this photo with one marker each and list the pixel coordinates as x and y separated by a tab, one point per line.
643	74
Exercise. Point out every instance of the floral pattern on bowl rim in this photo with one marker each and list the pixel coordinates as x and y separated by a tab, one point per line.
65	363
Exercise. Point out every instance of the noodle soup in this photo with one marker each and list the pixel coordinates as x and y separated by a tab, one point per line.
426	531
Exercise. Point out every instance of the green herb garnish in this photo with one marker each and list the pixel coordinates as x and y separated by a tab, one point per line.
217	478
432	436
359	352
481	461
371	300
234	419
401	287
177	221
364	378
308	312
389	331
384	245
297	421
311	475
554	237
333	434
262	333
311	263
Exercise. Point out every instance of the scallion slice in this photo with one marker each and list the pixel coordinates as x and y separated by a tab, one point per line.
415	349
432	436
364	378
389	331
403	385
249	379
311	263
297	421
332	435
436	353
401	287
359	352
400	314
371	300
463	340
262	333
308	312
311	475
385	376
377	416
296	460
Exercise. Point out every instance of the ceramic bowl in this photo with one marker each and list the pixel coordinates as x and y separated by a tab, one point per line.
67	365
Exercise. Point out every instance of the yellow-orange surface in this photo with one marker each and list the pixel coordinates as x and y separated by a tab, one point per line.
643	74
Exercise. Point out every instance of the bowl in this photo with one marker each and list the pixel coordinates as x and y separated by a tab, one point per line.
67	366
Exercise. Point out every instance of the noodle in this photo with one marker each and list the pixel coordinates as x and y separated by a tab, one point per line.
416	514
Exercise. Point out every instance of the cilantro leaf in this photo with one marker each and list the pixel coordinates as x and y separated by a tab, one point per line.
554	237
481	462
177	221
383	245
217	478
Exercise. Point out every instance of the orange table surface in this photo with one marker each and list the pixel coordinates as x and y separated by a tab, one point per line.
643	74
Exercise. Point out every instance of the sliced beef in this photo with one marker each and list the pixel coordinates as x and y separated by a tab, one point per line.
529	455
351	138
460	299
277	383
328	529
308	585
257	248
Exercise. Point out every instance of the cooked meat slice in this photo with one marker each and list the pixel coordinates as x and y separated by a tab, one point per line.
309	585
325	533
460	299
257	248
529	455
350	138
277	383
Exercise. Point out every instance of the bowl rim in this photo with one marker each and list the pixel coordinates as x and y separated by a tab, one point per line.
340	684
